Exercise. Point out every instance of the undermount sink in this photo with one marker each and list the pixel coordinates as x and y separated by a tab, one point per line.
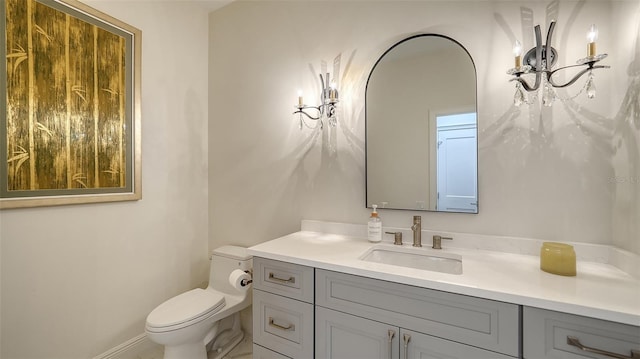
416	258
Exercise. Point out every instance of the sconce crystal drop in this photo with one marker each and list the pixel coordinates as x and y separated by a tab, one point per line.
519	97
548	95
591	87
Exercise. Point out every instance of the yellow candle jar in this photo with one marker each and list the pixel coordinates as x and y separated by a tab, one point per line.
558	258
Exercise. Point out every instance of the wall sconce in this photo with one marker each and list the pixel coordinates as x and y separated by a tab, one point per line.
326	109
540	61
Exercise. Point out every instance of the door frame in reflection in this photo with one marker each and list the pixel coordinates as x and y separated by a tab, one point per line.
453	161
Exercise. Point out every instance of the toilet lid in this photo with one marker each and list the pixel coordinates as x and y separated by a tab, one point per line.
186	307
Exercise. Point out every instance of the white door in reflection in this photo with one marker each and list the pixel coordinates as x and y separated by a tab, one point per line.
457	163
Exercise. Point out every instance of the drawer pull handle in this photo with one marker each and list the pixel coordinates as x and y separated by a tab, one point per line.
391	334
406	338
275	325
573	341
289	280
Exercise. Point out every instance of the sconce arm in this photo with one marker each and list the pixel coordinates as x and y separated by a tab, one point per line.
322	84
576	77
538	67
548	47
301	110
526	85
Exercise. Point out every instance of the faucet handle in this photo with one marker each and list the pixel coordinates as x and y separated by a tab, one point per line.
437	241
397	239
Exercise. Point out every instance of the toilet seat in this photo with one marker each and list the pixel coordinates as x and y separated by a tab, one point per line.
185	310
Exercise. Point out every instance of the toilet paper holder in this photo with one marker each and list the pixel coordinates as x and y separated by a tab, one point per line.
241	279
246	282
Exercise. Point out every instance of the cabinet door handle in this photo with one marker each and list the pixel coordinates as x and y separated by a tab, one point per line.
573	341
275	325
289	280
391	334
406	338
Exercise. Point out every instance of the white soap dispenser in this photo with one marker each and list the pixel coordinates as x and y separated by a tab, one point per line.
374	226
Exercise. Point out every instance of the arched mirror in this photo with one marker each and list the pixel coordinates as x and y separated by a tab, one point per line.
421	127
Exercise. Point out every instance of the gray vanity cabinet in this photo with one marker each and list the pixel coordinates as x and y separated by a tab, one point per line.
554	335
303	312
352	311
282	310
344	336
414	345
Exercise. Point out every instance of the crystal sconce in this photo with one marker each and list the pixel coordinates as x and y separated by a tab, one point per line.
539	61
325	111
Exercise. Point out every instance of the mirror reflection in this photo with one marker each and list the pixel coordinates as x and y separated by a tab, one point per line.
421	127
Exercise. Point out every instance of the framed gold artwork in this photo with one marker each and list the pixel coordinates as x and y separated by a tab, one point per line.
71	116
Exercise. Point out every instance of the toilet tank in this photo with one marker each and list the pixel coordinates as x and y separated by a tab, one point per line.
225	260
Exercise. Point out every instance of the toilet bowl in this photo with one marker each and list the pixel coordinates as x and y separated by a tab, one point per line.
193	322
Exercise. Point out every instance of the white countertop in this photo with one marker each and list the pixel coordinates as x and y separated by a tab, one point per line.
599	290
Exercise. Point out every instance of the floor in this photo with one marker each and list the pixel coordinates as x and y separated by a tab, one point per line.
244	350
153	353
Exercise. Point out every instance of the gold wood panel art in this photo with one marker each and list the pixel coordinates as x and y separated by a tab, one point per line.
72	119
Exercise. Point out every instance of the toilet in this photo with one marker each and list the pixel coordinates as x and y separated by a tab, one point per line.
203	321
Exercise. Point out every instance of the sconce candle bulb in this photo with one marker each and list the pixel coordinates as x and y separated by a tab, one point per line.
592	37
517	52
300	99
332	91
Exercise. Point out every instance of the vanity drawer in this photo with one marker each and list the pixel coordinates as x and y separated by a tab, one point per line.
287	279
478	322
283	324
546	334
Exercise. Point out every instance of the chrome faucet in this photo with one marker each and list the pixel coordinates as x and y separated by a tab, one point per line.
417	231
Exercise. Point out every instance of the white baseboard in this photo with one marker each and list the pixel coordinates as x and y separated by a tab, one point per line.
139	347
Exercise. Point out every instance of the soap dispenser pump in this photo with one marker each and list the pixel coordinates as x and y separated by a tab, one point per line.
374	226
